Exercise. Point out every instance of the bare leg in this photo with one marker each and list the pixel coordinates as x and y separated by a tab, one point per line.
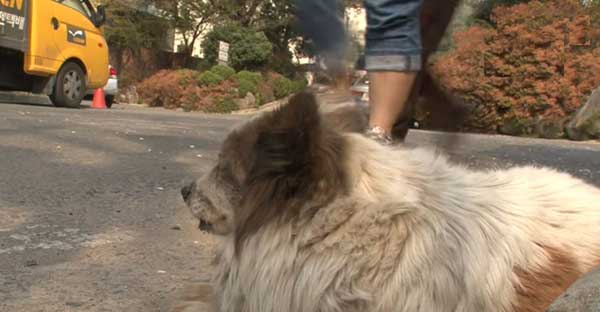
389	92
393	59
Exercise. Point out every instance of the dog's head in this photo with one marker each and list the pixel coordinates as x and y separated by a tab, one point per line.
274	167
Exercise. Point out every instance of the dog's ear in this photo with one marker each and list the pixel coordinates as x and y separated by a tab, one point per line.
289	136
296	159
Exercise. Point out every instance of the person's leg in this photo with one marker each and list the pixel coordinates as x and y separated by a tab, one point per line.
393	58
389	92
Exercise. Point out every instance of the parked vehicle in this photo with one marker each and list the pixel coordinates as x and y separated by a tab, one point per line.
53	47
110	89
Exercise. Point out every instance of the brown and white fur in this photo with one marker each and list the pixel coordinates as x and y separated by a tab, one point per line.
315	219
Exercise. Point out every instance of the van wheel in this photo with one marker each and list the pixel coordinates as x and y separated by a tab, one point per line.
70	86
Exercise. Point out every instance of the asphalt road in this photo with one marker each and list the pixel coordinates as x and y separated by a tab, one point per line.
90	213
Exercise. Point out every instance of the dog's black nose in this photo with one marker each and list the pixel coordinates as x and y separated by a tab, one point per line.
186	191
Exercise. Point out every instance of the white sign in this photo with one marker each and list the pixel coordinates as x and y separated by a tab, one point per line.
16	21
223	46
223	52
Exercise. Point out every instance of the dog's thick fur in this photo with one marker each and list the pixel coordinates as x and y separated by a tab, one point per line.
315	219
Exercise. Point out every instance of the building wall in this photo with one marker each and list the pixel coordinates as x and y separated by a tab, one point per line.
197	49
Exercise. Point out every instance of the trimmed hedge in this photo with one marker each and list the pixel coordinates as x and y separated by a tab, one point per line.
282	87
299	85
253	77
208	78
222	106
245	86
224	71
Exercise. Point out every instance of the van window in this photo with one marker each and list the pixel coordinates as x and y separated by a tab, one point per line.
77	5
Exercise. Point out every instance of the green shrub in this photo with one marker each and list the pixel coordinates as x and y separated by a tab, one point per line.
298	85
245	86
248	48
282	87
223	71
254	77
222	106
208	78
248	82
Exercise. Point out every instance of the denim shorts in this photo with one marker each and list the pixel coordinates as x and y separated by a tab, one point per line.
393	36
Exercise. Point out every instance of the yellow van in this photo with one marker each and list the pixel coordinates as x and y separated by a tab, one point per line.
55	47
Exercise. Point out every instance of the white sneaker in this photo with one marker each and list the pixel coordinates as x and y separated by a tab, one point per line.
379	135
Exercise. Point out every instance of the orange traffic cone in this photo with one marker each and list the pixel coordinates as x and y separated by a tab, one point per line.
98	102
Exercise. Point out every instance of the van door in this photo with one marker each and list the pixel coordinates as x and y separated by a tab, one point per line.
77	36
43	56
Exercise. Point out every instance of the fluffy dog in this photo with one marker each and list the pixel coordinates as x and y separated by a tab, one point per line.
315	219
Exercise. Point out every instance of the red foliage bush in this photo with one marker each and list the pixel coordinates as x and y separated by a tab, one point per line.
208	99
165	88
539	59
173	89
